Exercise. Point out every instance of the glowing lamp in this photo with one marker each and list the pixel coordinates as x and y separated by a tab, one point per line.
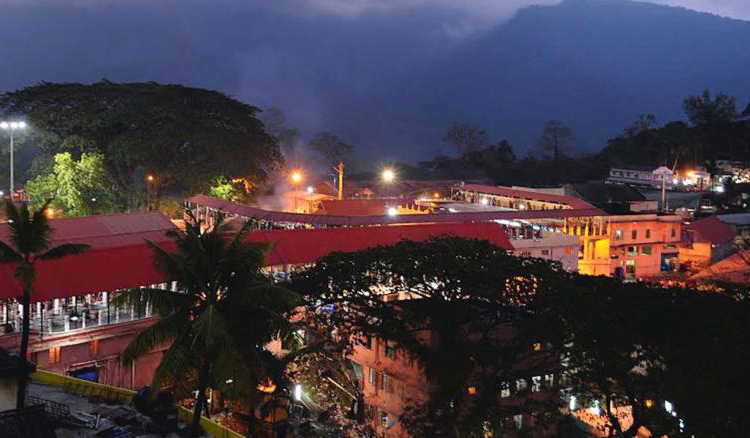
572	405
150	178
310	189
298	392
472	390
392	211
484	201
296	176
388	175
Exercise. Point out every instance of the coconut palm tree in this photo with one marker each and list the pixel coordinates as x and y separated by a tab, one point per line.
219	317
29	242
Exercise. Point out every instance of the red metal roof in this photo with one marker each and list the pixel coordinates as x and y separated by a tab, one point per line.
712	230
118	257
315	219
306	246
570	201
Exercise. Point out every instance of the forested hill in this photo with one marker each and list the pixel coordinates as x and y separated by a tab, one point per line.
594	64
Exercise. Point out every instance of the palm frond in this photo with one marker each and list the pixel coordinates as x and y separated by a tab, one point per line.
64	250
178	365
164	330
8	254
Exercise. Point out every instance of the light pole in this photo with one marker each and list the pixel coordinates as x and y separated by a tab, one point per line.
12	126
388	176
297	177
149	180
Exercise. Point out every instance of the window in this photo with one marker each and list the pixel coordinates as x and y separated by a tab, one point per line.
545	252
536	383
94	347
646	250
631	251
633	234
385	382
505	390
518	419
520	385
525	254
537	346
384	419
390	350
54	354
372	377
618	234
357	368
648	233
549	380
673	232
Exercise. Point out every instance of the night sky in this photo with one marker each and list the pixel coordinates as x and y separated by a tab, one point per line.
301	56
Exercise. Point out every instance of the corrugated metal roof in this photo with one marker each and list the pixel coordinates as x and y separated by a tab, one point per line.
313	219
712	230
307	246
107	231
570	201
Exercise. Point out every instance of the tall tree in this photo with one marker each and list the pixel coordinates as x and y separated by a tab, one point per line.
276	125
555	139
465	138
220	318
185	136
28	243
703	110
331	148
468	294
77	188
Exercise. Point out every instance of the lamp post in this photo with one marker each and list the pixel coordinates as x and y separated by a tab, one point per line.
149	180
296	179
12	127
388	176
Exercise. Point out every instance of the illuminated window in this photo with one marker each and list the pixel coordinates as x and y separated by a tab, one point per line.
520	385
384	419
372	376
505	390
618	234
549	380
54	354
536	383
631	250
537	346
472	390
94	347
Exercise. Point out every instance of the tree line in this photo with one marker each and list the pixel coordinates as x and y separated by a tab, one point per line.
715	129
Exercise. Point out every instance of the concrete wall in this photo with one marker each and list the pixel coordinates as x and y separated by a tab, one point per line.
99	348
8	391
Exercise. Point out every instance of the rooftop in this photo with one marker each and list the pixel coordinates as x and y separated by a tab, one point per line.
712	230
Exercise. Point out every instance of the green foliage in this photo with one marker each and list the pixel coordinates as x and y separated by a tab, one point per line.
186	137
457	287
225	189
465	138
29	241
77	188
219	320
703	110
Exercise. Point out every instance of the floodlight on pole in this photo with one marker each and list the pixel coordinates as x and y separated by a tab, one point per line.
12	127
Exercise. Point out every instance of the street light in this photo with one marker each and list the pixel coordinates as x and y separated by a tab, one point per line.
149	179
12	127
388	175
296	177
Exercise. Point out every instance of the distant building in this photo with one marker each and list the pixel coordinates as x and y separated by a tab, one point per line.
631	246
639	175
706	241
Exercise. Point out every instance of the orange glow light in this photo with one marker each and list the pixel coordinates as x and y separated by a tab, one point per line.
150	178
296	176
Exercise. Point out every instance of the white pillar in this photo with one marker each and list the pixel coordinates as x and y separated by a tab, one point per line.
83	319
56	306
105	297
39	308
67	323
